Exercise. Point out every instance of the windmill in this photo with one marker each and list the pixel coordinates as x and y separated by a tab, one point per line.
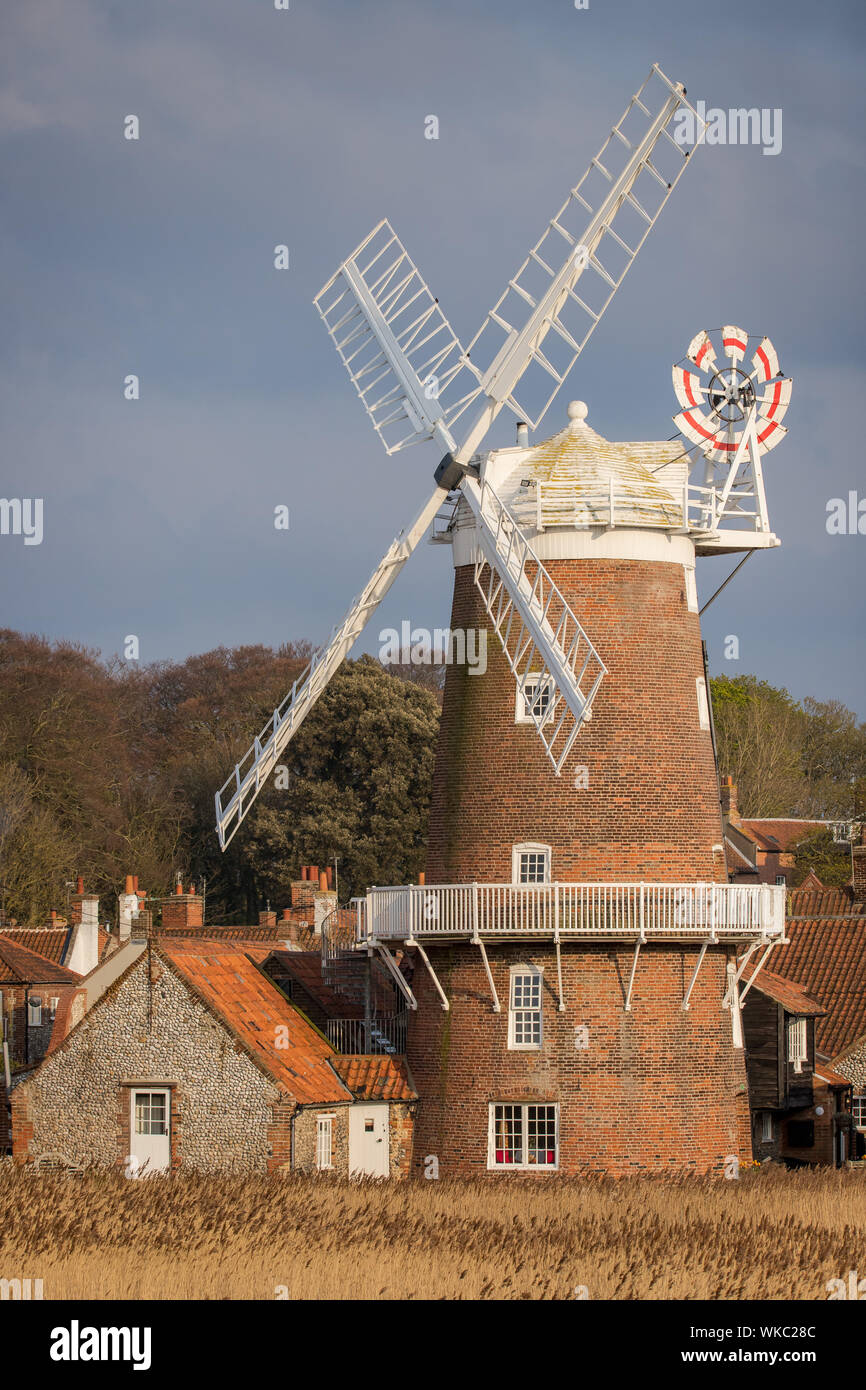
417	383
589	951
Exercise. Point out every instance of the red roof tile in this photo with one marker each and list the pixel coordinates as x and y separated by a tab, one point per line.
827	956
20	965
376	1077
791	996
260	1017
832	1078
50	942
819	902
782	834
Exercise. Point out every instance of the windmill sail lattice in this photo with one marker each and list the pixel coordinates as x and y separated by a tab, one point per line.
416	382
622	194
393	339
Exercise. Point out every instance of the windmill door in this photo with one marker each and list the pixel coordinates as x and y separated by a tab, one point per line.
149	1132
368	1141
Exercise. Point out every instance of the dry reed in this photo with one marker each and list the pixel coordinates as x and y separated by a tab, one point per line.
771	1234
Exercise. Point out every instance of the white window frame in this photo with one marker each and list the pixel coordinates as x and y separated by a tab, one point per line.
150	1092
798	1043
858	1110
703	703
531	684
767	1127
34	1013
324	1126
524	1166
516	1013
54	1004
530	847
781	880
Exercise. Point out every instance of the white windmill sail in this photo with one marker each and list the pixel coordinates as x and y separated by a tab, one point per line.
399	349
415	382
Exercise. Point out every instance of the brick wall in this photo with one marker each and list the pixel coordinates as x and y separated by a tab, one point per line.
651	809
655	1089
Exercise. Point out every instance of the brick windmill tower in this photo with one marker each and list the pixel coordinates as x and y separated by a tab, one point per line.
578	951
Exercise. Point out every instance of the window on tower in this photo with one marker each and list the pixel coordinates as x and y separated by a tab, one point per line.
523	1136
524	1009
534	701
530	863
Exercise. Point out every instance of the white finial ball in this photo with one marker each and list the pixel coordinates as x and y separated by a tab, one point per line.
577	412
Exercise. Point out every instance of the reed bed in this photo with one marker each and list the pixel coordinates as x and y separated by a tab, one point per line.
95	1235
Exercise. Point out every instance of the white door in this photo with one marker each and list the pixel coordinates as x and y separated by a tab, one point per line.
150	1136
368	1141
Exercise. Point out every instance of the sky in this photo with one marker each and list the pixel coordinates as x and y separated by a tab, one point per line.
260	127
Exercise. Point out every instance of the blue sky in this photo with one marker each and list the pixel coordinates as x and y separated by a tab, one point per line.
305	127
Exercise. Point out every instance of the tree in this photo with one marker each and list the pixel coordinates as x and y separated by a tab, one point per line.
359	786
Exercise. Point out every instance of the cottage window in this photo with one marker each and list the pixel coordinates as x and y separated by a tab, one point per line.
34	1011
324	1141
524	1008
766	1127
797	1045
858	1110
780	880
151	1112
534	700
530	863
523	1136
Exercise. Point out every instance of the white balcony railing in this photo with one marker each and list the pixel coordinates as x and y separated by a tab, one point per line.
633	911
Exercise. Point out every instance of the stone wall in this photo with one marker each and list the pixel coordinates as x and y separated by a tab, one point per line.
222	1103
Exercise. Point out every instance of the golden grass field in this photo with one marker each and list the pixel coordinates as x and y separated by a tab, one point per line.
770	1234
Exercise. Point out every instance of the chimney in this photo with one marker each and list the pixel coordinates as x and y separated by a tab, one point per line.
729	800
421	879
76	901
330	873
522	435
267	919
84	953
858	867
183	909
302	892
128	906
324	903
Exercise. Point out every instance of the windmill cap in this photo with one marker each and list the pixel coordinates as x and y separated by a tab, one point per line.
577	413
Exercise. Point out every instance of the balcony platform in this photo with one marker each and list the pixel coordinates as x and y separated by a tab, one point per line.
634	912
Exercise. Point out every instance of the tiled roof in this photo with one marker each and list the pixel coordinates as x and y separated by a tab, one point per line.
782	834
827	956
832	1078
50	942
255	1011
20	965
791	996
306	968
376	1077
819	902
